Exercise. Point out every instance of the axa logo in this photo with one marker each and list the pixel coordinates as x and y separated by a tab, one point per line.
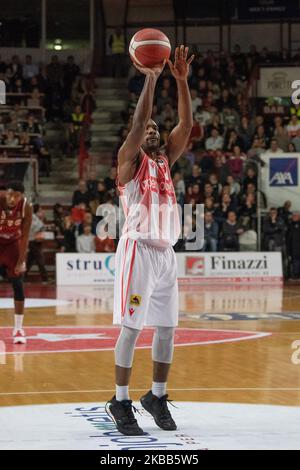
282	179
283	172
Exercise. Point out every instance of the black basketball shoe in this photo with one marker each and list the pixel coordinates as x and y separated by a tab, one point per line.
158	408
123	417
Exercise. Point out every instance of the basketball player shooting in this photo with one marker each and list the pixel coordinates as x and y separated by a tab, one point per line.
146	291
15	223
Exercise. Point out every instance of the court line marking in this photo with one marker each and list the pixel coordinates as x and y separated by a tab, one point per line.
57	392
252	336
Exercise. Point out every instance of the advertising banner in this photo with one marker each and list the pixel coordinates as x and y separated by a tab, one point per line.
193	268
277	81
229	267
280	179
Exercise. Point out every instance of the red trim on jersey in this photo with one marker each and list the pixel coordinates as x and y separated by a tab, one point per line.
122	278
129	277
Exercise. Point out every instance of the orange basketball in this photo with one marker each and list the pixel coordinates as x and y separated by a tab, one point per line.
149	47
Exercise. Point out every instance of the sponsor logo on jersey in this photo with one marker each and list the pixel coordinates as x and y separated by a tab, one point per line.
135	300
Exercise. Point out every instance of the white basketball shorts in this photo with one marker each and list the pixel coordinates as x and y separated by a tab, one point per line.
146	288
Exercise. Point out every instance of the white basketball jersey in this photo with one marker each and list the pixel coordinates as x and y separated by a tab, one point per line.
150	206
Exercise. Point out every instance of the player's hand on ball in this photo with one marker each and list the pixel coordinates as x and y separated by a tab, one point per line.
20	267
181	66
154	71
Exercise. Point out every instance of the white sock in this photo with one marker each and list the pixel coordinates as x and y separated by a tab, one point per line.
159	389
19	322
122	392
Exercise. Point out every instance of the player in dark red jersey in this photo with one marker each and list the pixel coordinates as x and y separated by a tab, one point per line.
15	223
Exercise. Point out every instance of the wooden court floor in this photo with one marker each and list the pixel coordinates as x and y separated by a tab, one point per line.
220	367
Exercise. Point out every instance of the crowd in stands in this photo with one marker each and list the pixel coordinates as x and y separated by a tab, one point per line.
218	169
35	95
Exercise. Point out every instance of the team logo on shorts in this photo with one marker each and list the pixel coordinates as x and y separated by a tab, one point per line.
131	311
135	300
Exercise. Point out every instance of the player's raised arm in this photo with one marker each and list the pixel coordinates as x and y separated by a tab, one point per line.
179	136
25	239
130	149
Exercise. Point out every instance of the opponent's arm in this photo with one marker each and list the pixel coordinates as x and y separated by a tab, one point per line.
25	239
130	149
179	136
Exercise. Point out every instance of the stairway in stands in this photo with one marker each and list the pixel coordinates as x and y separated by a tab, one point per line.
112	98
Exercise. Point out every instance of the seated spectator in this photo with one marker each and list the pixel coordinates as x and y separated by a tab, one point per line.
196	177
235	187
226	206
30	70
291	148
215	142
78	118
281	135
293	126
35	98
78	213
211	232
296	141
203	116
166	130
226	100
230	118
31	126
248	212
262	136
209	205
285	212
206	164
59	225
293	245
88	219
11	140
18	86
256	149
196	100
105	246
184	165
232	140
81	194
163	99
110	181
25	140
215	124
274	147
193	194
274	231
245	132
217	187
250	178
85	243
230	233
179	187
196	136
69	232
236	163
169	113
92	184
